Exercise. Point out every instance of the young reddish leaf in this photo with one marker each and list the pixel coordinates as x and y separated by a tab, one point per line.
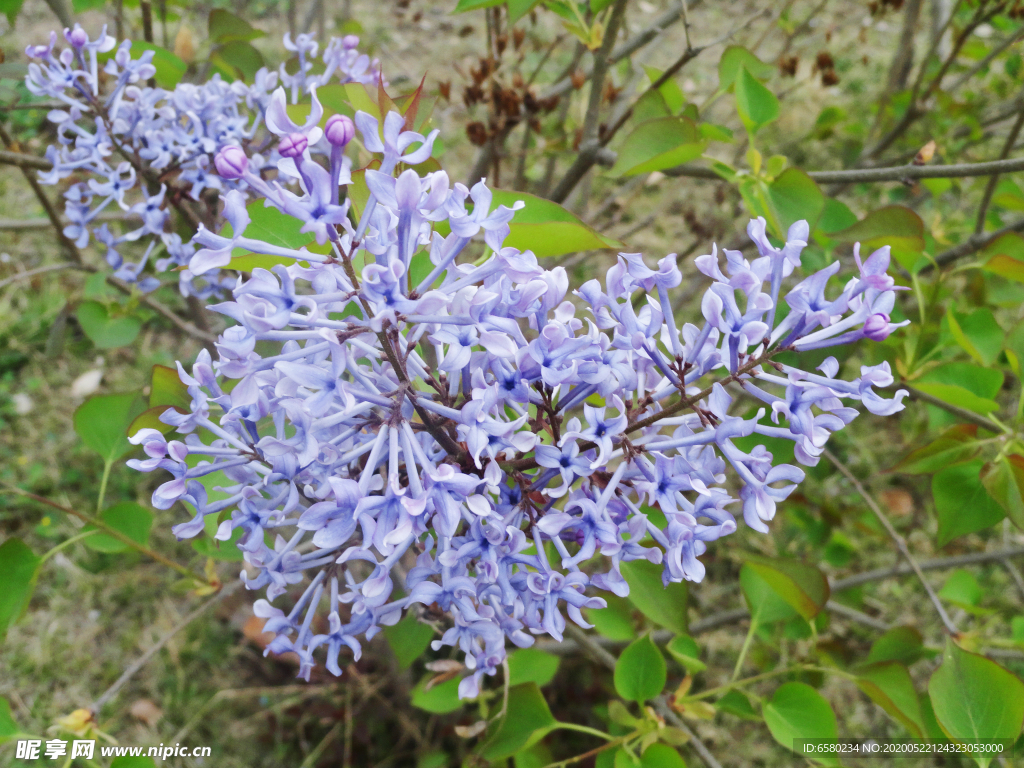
1004	481
888	684
803	586
954	446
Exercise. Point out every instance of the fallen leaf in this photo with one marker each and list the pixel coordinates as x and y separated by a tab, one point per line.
146	711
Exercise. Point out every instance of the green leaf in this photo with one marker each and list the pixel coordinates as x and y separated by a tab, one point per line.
1006	266
975	699
756	105
1003	478
888	684
1005	256
640	671
530	665
797	711
765	604
665	606
794	195
11	9
127	517
102	422
440	699
803	586
961	588
132	762
983	382
961	502
548	229
270	226
527	721
517	9
225	27
978	334
408	639
169	68
670	90
104	331
835	217
615	621
902	644
958	396
475	5
737	704
658	144
8	728
650	106
19	565
536	756
954	446
240	56
659	755
167	388
224	551
895	226
684	650
736	57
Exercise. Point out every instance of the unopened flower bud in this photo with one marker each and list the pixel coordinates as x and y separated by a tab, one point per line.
339	130
350	41
293	145
76	37
876	327
231	162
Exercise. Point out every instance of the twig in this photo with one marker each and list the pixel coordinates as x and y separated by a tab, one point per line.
894	173
974	243
589	143
140	662
898	540
987	60
325	742
14	225
903	61
854	615
962	413
629	47
76	255
663	709
936	564
23	160
97	522
990	188
38	271
602	656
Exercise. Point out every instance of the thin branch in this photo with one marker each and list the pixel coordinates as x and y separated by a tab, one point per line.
987	60
98	523
140	662
628	48
897	539
591	123
961	413
894	173
600	655
993	180
663	709
38	271
16	225
23	160
975	243
936	564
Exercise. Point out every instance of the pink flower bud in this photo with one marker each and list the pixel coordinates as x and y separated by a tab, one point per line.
876	327
339	130
231	162
350	41
293	145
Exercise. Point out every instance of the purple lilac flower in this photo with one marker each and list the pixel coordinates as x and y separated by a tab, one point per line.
458	432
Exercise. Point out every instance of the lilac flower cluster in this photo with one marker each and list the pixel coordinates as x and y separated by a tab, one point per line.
475	439
110	138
